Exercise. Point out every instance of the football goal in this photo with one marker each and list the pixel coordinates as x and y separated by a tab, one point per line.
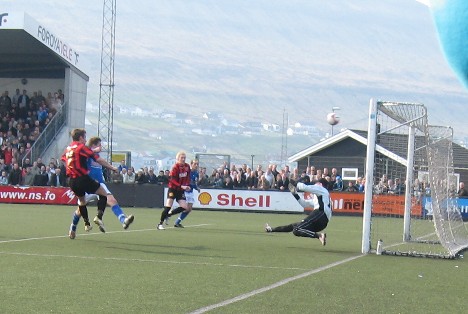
410	194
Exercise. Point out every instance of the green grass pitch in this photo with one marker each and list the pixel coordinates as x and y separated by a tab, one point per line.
222	262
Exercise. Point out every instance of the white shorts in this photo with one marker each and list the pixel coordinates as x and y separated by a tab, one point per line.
104	186
94	197
189	197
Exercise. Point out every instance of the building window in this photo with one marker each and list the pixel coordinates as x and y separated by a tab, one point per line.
349	173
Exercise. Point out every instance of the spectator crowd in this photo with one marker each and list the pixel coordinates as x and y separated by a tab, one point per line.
272	178
242	177
22	119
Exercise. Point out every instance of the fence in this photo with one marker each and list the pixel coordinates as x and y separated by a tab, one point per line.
49	134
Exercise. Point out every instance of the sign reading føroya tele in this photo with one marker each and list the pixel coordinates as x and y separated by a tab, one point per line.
21	20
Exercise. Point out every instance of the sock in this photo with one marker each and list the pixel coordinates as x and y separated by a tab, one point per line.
118	212
102	202
165	214
84	213
181	217
75	220
296	196
176	211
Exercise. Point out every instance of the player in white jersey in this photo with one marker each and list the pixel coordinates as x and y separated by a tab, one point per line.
317	220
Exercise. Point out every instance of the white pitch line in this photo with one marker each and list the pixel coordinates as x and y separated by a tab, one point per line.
148	260
133	259
91	234
207	308
273	286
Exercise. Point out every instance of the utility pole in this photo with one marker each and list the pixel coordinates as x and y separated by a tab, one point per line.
284	137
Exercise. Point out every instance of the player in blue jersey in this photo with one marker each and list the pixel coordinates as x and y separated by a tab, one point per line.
194	177
95	172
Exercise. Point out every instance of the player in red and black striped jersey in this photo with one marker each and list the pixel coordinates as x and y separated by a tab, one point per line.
179	182
75	159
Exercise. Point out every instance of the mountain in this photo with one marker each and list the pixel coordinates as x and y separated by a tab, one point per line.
257	61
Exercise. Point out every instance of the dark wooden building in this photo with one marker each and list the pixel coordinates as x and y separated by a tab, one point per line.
347	150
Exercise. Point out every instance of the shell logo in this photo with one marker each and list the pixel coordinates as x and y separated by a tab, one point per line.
205	198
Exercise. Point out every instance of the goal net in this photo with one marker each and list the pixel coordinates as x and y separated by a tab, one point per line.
409	201
448	221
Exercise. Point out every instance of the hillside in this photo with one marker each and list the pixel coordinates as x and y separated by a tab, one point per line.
254	60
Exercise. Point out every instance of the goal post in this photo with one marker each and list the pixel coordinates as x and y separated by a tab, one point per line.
371	143
405	159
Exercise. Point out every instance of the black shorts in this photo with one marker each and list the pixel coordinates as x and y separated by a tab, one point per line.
84	184
176	194
316	221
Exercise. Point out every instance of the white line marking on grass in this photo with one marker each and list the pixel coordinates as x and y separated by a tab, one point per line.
147	260
133	259
273	286
94	233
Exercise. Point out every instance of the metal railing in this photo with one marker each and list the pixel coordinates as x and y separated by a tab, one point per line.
48	135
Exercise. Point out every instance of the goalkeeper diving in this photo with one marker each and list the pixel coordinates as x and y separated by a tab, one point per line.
317	220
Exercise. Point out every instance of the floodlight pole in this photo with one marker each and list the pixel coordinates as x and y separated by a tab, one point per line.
106	84
252	161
